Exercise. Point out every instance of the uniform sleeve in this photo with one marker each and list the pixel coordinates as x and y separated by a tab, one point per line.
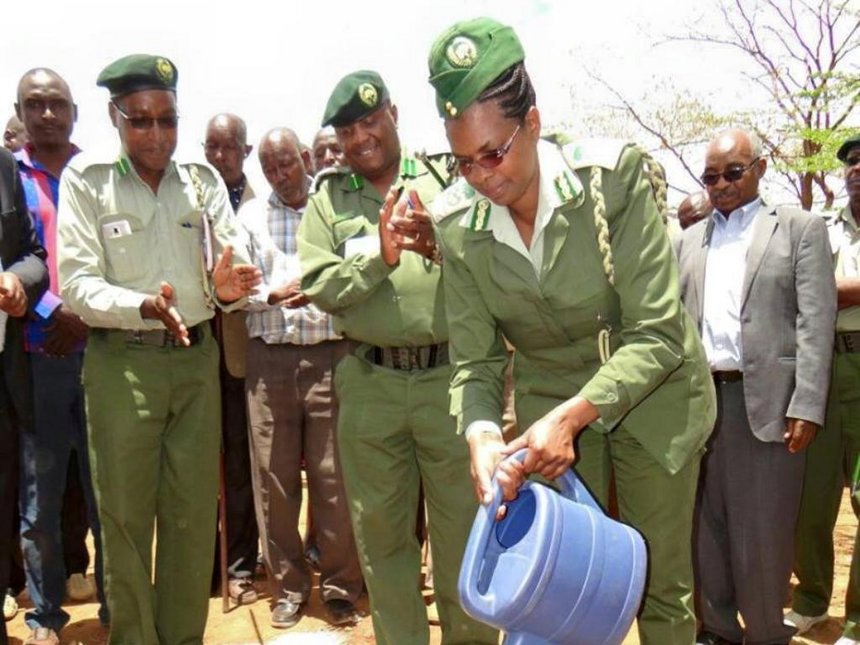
816	319
476	346
29	262
334	283
646	281
81	261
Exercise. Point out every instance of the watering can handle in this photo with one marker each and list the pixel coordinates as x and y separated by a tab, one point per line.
571	487
569	482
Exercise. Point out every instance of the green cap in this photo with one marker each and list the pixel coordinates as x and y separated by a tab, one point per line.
846	147
138	72
467	58
356	95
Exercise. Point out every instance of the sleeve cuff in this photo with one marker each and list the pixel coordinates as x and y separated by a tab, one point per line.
482	427
47	305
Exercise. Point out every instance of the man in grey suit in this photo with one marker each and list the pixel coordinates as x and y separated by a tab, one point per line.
759	282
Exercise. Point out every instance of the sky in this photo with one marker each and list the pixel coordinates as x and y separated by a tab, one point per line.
275	63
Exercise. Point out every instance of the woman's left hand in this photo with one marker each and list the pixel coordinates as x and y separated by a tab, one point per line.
412	228
550	439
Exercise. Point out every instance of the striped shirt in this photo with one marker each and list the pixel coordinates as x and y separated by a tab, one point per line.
272	227
41	190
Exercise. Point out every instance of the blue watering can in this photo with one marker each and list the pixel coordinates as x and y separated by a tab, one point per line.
555	569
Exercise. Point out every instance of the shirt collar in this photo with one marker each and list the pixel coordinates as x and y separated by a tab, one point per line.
845	215
744	214
25	156
276	202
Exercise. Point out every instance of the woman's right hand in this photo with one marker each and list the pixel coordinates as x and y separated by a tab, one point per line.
487	449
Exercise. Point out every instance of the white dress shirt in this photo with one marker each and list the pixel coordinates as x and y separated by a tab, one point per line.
724	280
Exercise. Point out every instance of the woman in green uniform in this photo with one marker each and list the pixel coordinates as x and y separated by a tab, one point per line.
562	251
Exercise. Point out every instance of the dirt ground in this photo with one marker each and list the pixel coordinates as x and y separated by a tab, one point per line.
250	624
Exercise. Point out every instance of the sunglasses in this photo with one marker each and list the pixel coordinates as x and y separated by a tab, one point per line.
147	123
487	160
852	160
731	175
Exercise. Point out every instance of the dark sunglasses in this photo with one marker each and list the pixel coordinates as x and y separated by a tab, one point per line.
147	123
487	160
731	175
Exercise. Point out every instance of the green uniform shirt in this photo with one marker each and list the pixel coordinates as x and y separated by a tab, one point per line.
343	271
118	240
845	242
656	382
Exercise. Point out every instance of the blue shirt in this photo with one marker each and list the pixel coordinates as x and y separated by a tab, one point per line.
724	282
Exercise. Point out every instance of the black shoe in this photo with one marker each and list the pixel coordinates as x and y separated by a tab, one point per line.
286	614
341	612
709	638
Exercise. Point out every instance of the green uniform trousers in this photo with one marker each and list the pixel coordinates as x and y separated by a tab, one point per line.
660	506
154	433
394	432
831	461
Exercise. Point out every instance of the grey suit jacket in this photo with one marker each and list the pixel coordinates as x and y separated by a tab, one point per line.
788	313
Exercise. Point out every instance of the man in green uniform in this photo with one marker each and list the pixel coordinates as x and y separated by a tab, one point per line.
562	251
138	238
394	433
834	457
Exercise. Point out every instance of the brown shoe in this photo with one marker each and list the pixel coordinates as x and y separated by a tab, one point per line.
43	636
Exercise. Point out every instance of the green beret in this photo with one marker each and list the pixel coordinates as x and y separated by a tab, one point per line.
467	58
846	147
138	72
356	95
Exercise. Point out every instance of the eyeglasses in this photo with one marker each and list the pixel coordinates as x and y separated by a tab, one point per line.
852	160
487	160
731	175
147	123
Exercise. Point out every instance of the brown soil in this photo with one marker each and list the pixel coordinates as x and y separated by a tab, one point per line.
237	626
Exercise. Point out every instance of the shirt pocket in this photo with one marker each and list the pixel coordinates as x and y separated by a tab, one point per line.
189	241
125	245
347	229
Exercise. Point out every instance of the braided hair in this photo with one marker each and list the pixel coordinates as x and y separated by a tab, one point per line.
513	90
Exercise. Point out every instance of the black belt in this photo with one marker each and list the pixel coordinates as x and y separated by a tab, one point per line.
162	337
847	342
731	376
410	358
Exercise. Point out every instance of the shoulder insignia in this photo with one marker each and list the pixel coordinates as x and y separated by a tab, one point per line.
478	217
454	199
569	188
408	166
206	172
593	152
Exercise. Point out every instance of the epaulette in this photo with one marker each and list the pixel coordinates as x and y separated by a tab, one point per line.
327	173
84	160
454	199
583	153
440	165
206	172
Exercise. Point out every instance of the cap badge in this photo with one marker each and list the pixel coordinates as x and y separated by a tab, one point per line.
164	69
368	95
462	52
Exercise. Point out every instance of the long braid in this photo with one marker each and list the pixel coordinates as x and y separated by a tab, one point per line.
656	176
600	223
